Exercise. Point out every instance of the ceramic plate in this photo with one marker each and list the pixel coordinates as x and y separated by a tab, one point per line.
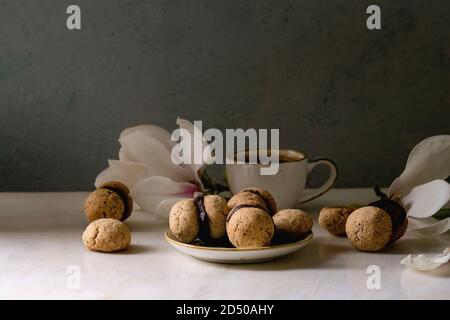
235	255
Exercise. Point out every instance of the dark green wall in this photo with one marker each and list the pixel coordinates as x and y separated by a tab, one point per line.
310	68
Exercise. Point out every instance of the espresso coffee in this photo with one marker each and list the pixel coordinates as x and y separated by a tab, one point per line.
284	156
290	157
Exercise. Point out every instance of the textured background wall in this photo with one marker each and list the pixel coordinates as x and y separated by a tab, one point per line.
310	68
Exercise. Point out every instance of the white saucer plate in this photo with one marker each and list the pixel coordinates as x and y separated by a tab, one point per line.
237	255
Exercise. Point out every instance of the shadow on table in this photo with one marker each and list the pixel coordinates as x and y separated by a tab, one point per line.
344	256
441	272
409	277
136	249
312	257
414	246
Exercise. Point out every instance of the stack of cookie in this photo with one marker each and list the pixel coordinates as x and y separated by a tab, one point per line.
105	209
249	219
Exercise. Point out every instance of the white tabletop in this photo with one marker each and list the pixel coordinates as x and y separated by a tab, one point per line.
41	256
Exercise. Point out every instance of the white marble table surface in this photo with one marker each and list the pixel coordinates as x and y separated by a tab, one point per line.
40	238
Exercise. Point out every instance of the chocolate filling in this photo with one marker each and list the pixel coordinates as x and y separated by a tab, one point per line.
205	232
125	199
233	211
396	212
268	205
398	216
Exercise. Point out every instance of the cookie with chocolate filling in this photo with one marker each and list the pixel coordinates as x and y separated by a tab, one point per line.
111	200
291	225
254	197
203	217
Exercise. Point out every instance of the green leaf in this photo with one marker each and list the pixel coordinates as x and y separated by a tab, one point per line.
210	186
442	214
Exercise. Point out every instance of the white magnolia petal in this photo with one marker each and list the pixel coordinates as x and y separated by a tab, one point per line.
425	200
197	134
125	155
154	155
157	185
197	171
432	228
426	262
149	203
429	160
150	192
163	209
196	142
149	130
129	173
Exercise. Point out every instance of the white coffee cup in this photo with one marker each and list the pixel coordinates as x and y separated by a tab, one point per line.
288	185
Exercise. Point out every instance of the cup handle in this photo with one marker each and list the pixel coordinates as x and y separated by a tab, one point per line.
327	185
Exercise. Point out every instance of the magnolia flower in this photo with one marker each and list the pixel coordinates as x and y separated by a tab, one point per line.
145	165
422	188
423	191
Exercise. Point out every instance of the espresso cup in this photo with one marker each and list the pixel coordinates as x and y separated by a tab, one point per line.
287	186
